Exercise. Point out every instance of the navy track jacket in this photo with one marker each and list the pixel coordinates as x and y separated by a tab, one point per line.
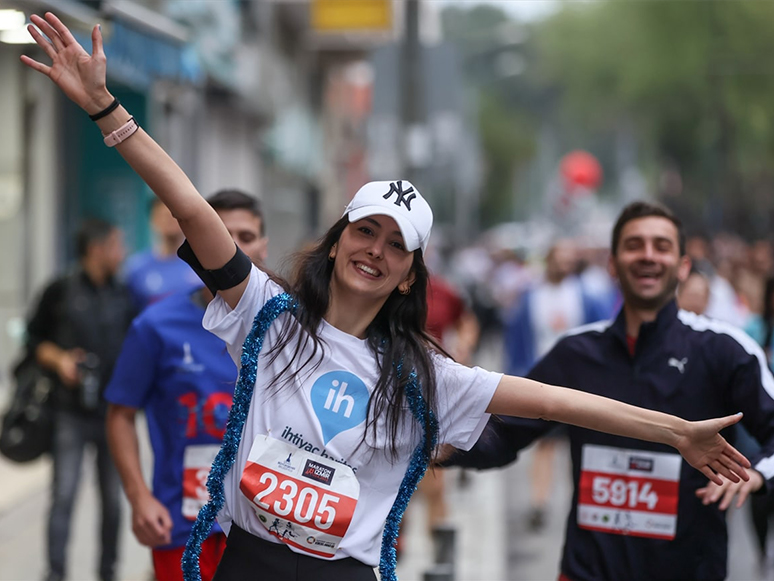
634	512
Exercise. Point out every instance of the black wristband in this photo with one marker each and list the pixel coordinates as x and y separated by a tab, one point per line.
106	111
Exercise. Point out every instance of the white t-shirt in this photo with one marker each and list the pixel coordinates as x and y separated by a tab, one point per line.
323	412
556	308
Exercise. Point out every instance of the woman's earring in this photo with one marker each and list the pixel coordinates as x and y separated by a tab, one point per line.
404	290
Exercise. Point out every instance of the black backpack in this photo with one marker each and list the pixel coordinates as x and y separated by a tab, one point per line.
28	423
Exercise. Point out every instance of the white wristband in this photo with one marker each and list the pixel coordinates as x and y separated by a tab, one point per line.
124	132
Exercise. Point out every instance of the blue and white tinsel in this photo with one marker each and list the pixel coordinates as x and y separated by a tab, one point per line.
416	470
243	393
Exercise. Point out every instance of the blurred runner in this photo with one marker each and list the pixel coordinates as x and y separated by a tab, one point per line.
158	272
552	306
761	328
693	294
452	323
183	378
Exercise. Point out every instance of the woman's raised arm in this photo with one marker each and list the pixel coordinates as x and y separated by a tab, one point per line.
82	77
698	442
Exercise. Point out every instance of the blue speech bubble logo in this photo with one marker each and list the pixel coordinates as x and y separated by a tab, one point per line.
340	400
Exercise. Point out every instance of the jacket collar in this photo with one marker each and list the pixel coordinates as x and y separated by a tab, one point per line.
664	319
81	273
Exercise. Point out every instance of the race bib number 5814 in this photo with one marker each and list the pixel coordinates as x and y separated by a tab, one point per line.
303	499
629	492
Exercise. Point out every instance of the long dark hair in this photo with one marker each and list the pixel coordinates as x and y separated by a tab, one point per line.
396	335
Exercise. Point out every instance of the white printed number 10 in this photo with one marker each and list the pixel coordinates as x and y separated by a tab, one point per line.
618	492
303	504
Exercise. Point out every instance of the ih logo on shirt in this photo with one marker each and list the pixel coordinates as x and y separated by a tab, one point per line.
340	401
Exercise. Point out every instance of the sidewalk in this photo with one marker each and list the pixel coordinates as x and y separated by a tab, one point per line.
24	502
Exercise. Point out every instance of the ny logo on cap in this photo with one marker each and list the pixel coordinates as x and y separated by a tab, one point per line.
397	188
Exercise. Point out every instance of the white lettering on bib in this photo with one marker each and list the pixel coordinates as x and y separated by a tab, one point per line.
629	492
197	461
303	499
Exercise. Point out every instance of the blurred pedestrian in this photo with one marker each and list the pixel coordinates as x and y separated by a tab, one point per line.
183	378
553	305
761	328
693	294
158	272
76	332
638	512
342	395
452	323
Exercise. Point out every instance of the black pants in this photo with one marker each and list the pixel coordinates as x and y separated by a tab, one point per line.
249	558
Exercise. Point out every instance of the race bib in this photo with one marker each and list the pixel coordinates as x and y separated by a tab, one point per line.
302	499
629	492
197	461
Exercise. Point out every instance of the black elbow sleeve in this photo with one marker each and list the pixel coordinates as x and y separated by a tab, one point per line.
228	276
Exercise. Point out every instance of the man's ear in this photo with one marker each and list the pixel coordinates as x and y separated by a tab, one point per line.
684	268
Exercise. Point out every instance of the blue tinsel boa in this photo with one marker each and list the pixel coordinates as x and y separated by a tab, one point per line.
223	462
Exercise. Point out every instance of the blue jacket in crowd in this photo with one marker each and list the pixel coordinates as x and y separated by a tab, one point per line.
519	333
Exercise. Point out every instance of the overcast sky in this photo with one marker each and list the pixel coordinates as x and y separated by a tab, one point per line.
523	9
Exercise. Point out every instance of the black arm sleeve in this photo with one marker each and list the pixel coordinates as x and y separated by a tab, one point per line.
228	276
505	436
500	442
45	319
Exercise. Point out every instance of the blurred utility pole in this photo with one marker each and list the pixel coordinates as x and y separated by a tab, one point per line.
414	143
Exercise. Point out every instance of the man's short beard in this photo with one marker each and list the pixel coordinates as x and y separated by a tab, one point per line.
649	304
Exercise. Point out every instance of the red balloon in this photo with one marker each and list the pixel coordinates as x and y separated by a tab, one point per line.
580	169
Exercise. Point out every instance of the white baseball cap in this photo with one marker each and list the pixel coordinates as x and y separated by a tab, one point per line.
402	202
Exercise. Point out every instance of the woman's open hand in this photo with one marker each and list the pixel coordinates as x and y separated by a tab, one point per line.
706	450
80	75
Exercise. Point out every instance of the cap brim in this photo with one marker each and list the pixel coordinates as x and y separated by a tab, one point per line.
410	238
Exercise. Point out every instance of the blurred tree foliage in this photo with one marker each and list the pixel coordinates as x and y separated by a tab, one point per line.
507	131
695	78
693	81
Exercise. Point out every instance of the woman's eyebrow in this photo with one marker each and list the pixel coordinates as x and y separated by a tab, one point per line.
377	223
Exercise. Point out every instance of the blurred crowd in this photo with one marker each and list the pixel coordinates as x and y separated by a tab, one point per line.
730	278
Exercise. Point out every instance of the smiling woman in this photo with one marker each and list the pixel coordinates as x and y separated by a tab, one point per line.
342	394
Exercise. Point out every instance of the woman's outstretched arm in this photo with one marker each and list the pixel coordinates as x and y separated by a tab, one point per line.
698	442
82	77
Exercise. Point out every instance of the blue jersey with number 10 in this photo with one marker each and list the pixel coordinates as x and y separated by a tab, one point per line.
183	377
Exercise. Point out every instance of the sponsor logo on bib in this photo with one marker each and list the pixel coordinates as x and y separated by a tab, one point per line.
319	472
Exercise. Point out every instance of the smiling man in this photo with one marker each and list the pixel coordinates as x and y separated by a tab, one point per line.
638	511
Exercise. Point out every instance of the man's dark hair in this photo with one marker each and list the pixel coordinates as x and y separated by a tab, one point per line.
90	231
238	200
637	210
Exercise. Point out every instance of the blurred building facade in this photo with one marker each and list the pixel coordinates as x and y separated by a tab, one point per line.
236	92
280	98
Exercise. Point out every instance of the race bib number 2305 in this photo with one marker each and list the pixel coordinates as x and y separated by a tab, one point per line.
303	499
629	492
